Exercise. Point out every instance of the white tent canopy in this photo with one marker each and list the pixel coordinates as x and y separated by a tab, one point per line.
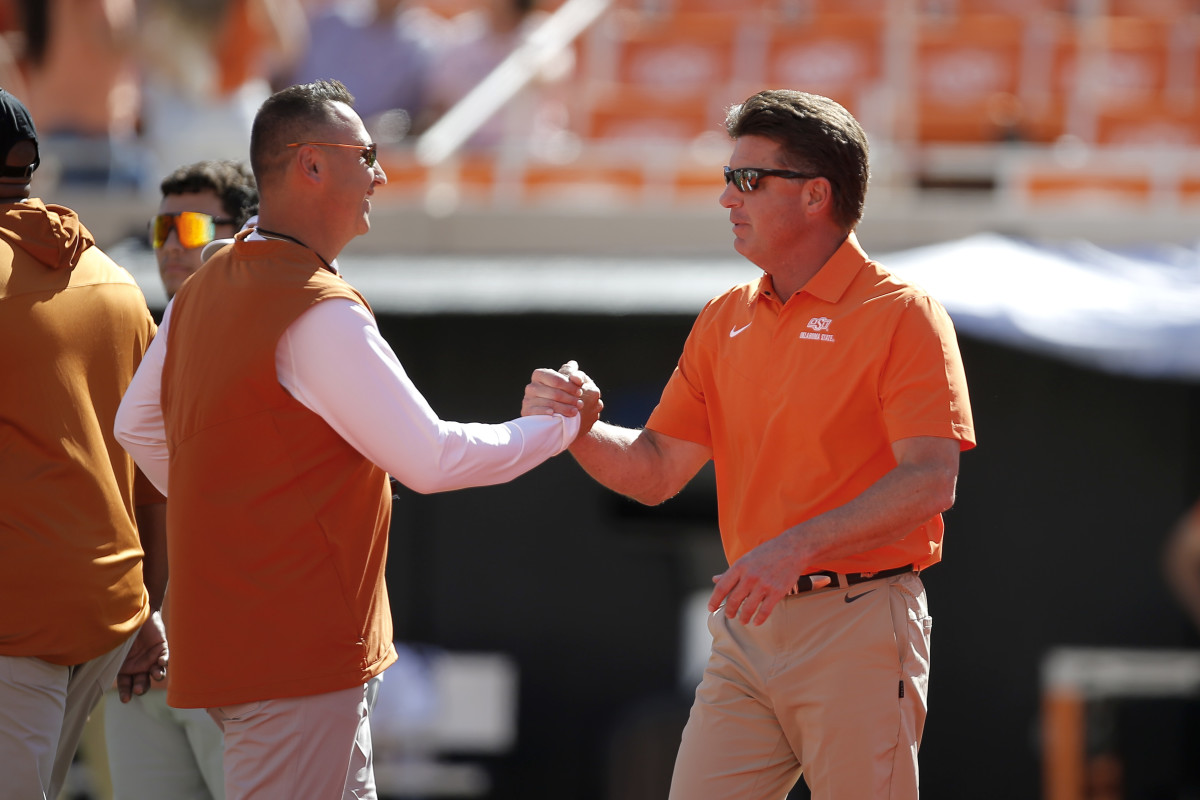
1134	312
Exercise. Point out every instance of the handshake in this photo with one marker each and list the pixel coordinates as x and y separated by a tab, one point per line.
569	391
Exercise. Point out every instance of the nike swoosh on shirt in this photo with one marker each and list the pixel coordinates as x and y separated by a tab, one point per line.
734	331
851	599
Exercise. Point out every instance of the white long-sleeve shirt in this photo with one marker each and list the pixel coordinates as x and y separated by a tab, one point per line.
334	361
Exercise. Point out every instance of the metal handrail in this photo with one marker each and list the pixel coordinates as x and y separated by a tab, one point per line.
465	117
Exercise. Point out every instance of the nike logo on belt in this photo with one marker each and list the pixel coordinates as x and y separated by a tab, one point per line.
734	331
851	598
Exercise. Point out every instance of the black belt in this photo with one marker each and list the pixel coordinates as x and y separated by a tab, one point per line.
838	580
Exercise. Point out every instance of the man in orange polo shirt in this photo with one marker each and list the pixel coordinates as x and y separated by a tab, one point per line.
831	398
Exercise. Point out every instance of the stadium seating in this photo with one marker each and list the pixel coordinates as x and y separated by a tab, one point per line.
654	78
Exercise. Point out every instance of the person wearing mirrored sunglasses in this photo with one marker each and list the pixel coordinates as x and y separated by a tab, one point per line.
155	750
272	411
831	397
200	202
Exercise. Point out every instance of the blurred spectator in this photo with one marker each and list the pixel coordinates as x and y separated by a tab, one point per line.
12	41
207	67
200	202
389	87
155	750
476	43
83	90
1182	562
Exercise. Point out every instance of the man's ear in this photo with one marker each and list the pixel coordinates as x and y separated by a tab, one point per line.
820	194
309	160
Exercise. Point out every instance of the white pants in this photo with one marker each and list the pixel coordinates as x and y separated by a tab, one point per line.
43	708
316	747
155	751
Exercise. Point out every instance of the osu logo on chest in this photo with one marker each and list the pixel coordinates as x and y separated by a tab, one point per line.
820	329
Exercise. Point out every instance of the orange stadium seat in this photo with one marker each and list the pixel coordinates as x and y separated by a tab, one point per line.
1085	187
1053	58
1137	79
471	177
689	53
593	184
407	179
840	56
1162	9
657	79
803	9
1189	189
678	179
965	68
1016	8
729	12
698	183
1149	122
1134	57
635	114
1049	86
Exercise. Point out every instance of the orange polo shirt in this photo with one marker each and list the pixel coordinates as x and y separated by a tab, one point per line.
801	401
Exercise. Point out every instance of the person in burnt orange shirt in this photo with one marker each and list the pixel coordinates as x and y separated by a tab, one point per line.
830	396
80	532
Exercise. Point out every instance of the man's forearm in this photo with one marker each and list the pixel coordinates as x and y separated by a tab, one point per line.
152	529
907	496
635	463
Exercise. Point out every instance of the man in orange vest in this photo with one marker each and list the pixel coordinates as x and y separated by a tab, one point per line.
271	411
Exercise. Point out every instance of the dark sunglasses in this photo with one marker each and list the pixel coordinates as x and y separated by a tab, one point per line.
746	178
194	229
369	152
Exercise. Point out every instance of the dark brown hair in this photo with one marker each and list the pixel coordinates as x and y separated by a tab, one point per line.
291	115
816	135
231	181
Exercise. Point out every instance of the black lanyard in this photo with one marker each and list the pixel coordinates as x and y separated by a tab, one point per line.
274	234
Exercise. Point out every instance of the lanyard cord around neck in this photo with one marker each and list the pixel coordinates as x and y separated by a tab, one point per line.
276	235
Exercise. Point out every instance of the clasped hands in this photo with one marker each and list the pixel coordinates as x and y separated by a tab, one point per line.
569	391
146	660
752	587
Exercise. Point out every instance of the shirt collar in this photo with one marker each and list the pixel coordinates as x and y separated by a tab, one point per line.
834	277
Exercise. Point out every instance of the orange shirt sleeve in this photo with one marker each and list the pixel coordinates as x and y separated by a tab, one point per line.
923	387
682	411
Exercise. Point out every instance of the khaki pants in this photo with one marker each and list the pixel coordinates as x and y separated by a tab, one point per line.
316	747
155	751
43	708
833	686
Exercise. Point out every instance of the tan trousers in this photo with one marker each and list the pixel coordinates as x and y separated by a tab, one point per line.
159	752
316	747
43	708
831	686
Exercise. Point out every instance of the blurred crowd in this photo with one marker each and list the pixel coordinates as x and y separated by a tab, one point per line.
124	91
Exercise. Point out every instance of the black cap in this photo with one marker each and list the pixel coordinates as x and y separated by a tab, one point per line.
16	126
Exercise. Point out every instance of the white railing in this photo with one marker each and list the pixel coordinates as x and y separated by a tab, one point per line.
550	39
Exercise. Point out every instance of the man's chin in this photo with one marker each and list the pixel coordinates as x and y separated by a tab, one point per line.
171	283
